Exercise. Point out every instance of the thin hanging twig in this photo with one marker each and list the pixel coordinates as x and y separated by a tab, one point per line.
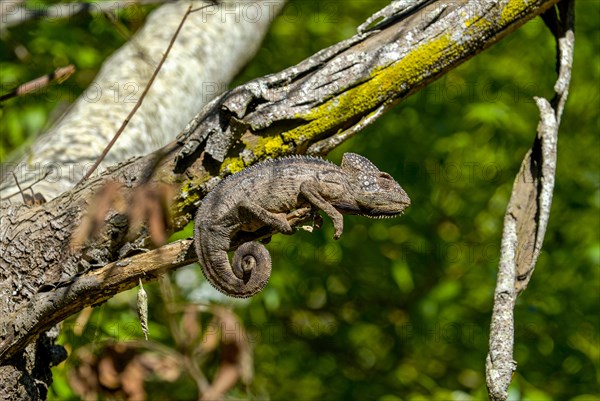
60	75
140	100
528	211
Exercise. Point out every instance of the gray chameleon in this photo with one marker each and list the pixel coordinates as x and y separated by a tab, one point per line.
262	196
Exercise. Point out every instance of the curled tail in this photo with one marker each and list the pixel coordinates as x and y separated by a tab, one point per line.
245	277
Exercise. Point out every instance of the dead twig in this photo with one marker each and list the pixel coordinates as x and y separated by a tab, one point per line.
59	75
140	100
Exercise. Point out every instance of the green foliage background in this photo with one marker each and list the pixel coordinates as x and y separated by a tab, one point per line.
396	309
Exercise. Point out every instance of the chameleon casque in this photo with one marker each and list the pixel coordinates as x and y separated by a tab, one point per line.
262	196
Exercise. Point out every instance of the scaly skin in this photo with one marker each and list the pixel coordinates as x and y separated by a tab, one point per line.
262	195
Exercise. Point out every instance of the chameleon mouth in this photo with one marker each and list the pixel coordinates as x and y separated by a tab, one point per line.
382	215
369	212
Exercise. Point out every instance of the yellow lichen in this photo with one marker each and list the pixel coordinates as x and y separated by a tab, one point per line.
478	23
513	9
270	147
189	197
232	165
264	148
382	83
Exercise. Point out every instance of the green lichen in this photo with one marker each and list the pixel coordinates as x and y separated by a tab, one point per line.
295	136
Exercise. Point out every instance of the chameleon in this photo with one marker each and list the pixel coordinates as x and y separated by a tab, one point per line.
262	196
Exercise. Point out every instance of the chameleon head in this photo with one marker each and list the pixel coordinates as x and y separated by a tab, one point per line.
370	192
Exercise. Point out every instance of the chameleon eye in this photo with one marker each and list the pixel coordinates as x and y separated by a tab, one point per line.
385	181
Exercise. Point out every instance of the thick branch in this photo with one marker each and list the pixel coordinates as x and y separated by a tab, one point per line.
322	101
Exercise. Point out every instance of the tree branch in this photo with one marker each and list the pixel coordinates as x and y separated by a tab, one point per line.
58	301
325	99
528	211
